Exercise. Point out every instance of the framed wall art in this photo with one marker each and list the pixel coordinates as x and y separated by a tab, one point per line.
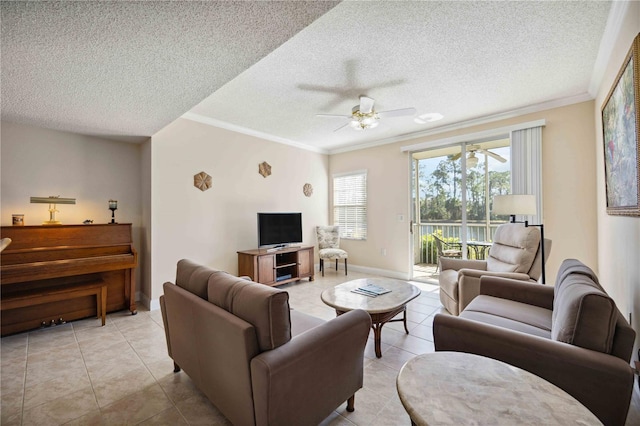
620	127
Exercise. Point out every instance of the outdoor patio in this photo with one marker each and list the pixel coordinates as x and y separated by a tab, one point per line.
425	272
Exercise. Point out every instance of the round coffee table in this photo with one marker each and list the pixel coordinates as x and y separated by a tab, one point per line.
455	388
382	308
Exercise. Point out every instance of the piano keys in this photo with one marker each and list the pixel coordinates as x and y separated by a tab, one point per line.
42	258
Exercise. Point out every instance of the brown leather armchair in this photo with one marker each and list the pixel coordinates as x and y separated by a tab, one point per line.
570	334
514	254
257	361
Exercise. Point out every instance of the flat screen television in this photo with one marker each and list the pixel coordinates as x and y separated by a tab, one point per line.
279	229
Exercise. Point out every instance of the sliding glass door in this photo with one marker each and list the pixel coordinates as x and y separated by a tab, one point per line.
452	189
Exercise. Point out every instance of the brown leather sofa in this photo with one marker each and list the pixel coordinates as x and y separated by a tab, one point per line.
514	254
571	335
259	362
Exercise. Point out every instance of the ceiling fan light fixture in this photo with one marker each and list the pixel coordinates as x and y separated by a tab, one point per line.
472	160
363	121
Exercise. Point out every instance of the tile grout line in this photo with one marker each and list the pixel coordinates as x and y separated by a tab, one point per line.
86	369
173	404
24	380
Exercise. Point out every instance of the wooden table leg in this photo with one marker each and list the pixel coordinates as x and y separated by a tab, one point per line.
377	333
405	320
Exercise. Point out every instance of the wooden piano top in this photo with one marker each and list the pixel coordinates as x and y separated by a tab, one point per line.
27	237
41	252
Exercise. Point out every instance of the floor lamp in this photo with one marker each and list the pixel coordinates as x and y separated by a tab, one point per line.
525	205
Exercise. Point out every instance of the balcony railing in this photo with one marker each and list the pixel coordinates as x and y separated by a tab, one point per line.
450	232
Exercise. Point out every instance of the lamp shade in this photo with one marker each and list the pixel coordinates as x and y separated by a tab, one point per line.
53	200
514	204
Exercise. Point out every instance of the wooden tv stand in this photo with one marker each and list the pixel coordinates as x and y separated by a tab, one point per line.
277	267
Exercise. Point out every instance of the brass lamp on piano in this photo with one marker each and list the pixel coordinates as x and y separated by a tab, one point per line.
52	201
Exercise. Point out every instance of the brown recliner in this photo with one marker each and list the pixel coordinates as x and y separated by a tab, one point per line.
514	254
259	362
571	335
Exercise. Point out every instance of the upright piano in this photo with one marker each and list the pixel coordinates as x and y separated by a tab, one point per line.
42	258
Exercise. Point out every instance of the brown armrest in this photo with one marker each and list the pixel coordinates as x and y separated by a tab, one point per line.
523	292
302	381
478	273
469	283
603	383
457	264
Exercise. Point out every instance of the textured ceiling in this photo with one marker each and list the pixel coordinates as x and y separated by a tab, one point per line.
127	69
122	69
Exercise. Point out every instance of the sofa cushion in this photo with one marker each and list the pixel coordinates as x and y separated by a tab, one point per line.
332	253
193	277
264	307
514	248
509	314
583	314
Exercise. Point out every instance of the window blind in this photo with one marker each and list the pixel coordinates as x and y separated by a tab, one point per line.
350	205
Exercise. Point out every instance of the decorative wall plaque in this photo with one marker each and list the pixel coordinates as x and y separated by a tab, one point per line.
307	189
202	181
264	169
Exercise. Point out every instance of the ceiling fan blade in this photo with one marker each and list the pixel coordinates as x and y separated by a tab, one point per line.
333	115
397	112
456	156
366	104
316	88
493	154
341	127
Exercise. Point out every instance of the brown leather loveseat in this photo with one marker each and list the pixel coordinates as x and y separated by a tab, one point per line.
259	362
571	335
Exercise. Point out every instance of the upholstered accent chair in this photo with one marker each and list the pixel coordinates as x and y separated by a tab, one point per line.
515	254
329	246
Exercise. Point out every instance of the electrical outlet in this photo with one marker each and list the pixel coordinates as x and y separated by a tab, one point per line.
400	218
383	252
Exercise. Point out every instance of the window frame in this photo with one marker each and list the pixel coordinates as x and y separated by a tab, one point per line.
356	229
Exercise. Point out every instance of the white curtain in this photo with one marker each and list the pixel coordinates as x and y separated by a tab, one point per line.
526	166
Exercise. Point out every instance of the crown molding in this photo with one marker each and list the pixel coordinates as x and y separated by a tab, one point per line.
607	42
556	103
250	132
474	137
543	106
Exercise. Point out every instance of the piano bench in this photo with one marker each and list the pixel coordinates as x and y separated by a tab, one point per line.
56	294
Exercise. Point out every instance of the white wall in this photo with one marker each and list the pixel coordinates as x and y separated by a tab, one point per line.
569	183
210	227
618	236
146	224
39	162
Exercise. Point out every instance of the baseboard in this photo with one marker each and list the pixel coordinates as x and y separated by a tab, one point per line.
144	300
365	270
154	304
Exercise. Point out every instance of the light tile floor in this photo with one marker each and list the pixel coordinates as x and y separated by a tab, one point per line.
84	374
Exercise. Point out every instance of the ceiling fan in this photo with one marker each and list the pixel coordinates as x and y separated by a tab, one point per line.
472	160
364	116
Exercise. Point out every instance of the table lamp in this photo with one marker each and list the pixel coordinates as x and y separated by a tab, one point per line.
113	206
525	205
52	201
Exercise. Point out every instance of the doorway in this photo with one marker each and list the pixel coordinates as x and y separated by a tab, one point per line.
452	188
